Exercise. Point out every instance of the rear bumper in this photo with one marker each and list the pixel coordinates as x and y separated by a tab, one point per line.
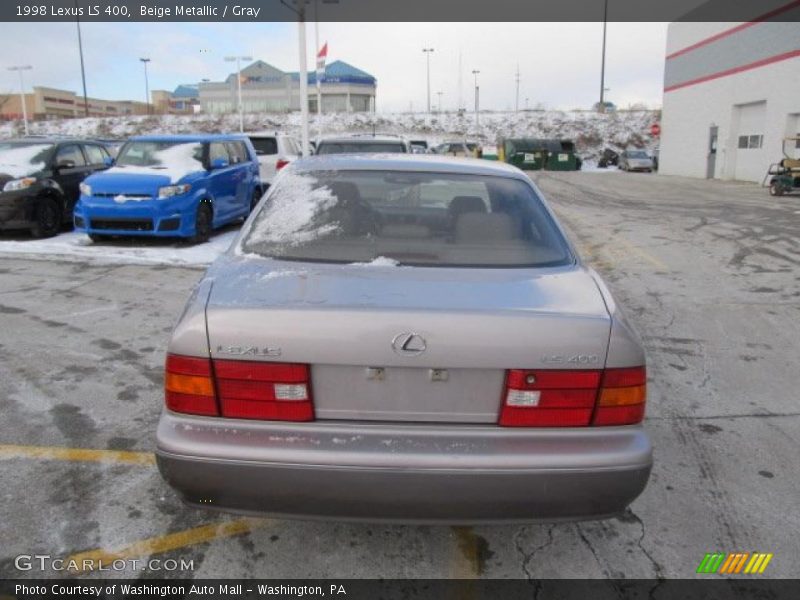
419	473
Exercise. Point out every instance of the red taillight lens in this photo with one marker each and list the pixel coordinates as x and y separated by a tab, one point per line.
622	397
549	398
189	386
247	389
575	398
280	164
258	390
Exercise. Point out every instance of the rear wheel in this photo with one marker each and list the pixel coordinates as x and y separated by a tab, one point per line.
775	189
47	220
202	224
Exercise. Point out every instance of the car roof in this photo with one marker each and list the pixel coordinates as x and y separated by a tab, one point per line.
48	140
430	163
271	134
194	137
364	139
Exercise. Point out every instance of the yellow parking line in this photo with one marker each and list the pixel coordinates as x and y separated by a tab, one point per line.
8	451
165	543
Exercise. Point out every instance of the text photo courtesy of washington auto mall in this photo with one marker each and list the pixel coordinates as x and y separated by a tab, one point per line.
445	299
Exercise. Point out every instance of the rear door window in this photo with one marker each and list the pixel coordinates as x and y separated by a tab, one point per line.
237	152
95	154
217	150
71	153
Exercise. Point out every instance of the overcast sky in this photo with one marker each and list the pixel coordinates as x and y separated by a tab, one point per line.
559	63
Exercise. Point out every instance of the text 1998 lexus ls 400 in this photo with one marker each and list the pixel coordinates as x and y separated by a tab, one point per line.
404	338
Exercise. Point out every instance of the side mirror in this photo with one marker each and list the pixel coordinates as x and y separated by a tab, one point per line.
219	163
65	164
108	161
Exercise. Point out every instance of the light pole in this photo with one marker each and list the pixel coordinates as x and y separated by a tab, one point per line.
440	100
236	59
146	84
516	103
20	69
603	60
526	103
475	72
427	52
83	71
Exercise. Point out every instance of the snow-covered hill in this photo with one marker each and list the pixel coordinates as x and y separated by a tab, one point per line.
591	131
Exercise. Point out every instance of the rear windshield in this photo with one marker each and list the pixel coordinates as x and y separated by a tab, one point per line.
407	218
360	147
637	154
265	145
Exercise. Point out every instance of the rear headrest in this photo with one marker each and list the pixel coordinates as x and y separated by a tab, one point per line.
345	192
477	228
460	205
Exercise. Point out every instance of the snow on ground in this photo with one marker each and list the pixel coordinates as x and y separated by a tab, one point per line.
590	131
77	247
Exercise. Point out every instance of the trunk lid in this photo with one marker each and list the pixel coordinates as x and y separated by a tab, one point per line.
406	343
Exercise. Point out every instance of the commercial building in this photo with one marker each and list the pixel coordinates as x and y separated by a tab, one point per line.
185	99
731	94
268	89
50	103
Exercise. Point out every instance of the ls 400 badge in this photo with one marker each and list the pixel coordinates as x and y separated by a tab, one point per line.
249	350
574	359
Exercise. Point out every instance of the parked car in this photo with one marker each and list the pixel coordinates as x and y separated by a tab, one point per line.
453	149
420	143
171	185
636	160
274	151
404	338
361	144
39	179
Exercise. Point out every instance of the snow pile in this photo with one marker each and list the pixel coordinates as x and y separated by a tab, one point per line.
292	221
591	131
20	161
380	261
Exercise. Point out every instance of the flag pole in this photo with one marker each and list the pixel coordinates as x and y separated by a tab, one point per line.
319	77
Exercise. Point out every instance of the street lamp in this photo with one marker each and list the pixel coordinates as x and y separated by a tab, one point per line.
146	84
427	52
477	95
237	60
602	107
20	69
440	100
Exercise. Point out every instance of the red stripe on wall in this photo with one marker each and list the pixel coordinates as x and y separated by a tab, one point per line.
747	67
727	32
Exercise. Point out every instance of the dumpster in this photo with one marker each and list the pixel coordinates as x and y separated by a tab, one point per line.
561	156
490	152
528	154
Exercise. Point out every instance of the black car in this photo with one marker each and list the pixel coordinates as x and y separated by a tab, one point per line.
39	179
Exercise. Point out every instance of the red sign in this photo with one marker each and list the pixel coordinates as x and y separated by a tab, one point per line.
655	129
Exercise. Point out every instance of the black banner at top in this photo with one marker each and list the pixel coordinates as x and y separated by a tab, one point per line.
400	10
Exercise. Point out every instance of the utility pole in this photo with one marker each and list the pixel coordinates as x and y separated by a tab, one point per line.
83	71
237	60
603	62
516	103
477	96
460	95
20	69
146	84
319	76
301	40
427	52
440	100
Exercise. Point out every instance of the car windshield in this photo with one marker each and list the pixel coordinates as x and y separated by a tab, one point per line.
637	154
359	147
19	159
409	218
173	159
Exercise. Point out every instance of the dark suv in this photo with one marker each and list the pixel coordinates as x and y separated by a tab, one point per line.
39	179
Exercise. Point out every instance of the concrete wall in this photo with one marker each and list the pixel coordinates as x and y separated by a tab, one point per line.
764	100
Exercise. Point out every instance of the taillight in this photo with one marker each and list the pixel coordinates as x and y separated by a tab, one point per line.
189	386
575	398
622	397
280	164
246	389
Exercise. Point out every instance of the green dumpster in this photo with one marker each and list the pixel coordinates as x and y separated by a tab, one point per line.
528	154
561	156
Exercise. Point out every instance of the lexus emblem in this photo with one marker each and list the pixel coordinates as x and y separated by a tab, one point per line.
409	344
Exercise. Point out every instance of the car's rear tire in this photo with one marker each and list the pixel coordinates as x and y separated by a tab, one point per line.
47	219
775	189
202	223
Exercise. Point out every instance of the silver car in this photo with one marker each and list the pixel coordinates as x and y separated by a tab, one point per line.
635	160
404	338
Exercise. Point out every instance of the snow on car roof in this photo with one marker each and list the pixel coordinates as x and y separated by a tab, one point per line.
407	162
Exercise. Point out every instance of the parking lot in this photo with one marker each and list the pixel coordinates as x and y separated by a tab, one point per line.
708	271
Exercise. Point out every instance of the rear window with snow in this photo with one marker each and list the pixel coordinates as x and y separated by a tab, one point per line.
20	159
406	218
174	159
360	147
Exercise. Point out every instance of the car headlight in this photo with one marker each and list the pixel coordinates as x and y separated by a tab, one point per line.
86	189
19	184
173	190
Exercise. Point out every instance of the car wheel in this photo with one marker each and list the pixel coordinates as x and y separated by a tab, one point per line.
47	221
97	237
202	224
775	189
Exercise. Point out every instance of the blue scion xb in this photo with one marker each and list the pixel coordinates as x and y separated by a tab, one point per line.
171	186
